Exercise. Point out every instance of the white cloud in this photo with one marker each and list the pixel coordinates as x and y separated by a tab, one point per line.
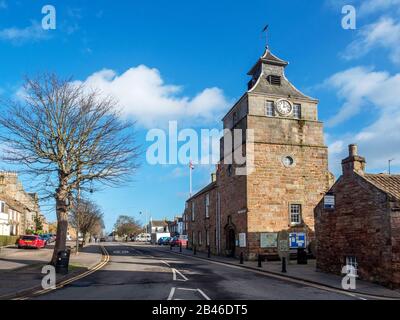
368	7
143	95
365	89
383	34
32	33
353	86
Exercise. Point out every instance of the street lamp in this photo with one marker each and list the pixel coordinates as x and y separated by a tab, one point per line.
147	222
390	162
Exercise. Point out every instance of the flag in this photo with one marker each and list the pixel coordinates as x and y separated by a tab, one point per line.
265	28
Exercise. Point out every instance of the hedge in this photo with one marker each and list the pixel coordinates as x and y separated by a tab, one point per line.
8	240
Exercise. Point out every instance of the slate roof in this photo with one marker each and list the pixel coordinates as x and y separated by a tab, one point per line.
207	188
389	184
286	89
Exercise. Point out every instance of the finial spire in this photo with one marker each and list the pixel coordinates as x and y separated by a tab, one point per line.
266	36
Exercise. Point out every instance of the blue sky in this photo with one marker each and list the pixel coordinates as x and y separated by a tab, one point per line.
187	61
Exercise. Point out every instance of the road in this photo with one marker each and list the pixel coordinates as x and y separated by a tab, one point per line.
140	272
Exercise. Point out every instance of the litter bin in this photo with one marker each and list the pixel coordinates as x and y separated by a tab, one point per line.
301	256
63	261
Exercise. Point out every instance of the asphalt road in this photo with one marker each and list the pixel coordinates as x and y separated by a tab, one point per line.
140	272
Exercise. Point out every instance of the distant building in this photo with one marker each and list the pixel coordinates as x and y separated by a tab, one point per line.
176	227
156	226
18	208
358	224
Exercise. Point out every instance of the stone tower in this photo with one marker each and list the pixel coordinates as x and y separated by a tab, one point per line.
290	161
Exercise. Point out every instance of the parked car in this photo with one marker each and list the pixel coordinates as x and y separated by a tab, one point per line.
179	240
47	238
103	239
31	242
164	241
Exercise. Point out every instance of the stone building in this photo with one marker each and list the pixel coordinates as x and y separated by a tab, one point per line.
358	224
18	207
283	139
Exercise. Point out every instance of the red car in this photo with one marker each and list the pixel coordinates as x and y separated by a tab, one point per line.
31	242
178	240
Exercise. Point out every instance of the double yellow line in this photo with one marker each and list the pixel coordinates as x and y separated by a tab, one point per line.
105	259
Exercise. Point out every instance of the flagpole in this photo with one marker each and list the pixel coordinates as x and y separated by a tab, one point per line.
190	179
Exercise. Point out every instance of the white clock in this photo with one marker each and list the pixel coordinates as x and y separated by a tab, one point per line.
284	107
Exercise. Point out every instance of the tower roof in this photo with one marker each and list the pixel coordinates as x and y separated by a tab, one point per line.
268	58
270	65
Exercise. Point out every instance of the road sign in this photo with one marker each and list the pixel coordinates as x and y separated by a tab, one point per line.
283	243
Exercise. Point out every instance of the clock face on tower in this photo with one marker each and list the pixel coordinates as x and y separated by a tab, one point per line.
284	107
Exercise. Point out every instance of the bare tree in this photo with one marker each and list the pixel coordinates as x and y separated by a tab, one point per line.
126	226
67	136
85	216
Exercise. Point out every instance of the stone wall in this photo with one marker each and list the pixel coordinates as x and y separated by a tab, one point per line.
359	226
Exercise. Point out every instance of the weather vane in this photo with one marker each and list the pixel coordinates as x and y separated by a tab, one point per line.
266	35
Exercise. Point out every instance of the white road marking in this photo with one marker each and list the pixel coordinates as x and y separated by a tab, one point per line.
171	294
203	294
174	271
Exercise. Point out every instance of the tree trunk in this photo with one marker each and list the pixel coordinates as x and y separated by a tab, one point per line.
62	224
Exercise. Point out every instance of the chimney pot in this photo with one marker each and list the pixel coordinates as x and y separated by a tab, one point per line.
353	150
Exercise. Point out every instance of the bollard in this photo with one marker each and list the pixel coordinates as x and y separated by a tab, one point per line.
187	245
284	265
209	252
180	247
194	250
170	246
241	258
259	261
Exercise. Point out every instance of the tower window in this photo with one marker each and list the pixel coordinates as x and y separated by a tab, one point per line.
297	111
274	80
295	214
269	109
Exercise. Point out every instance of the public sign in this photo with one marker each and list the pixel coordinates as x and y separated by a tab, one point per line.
242	240
269	240
283	243
297	240
329	201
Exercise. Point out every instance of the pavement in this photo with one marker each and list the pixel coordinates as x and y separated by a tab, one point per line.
20	269
143	272
307	273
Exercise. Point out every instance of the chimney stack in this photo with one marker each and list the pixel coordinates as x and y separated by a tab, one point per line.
353	163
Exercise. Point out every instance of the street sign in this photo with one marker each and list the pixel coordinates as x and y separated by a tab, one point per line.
297	240
283	246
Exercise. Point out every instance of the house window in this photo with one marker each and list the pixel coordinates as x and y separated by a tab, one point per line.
297	111
193	238
200	239
269	109
295	214
207	205
193	213
351	265
2	207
